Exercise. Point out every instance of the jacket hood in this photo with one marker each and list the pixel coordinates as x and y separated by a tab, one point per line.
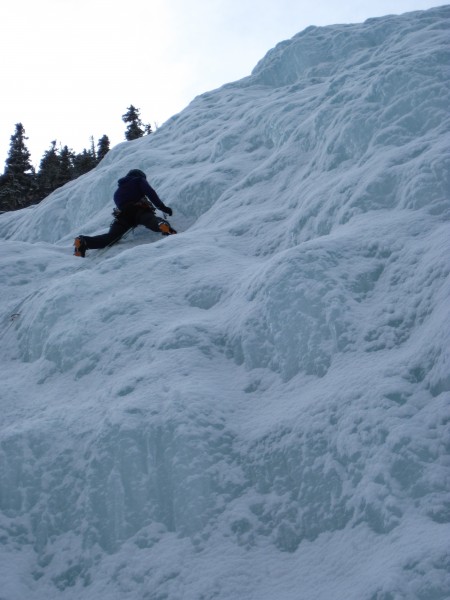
136	173
132	175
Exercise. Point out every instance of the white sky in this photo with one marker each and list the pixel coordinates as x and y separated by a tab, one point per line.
70	68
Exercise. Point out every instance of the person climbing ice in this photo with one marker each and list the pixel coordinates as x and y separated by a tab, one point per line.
135	201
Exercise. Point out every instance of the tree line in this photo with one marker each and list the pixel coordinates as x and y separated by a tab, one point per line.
22	185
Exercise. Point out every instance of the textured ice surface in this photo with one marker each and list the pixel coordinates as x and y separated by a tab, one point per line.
258	407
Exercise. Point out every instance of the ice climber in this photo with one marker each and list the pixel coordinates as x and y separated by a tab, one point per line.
135	201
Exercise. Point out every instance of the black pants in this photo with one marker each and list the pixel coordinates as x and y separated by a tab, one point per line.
123	223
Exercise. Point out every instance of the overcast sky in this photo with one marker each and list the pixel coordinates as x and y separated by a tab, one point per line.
70	68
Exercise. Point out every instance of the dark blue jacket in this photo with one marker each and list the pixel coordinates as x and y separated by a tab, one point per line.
132	189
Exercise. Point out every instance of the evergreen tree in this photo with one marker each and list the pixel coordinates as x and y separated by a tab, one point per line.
102	147
18	161
92	151
135	127
56	168
83	163
49	174
18	182
66	170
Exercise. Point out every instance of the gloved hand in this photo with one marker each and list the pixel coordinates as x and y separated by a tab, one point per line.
168	210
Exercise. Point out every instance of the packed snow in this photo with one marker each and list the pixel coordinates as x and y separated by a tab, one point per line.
258	407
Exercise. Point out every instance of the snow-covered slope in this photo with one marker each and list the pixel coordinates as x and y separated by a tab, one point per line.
256	408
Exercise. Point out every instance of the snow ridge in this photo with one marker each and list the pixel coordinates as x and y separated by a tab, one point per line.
255	408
